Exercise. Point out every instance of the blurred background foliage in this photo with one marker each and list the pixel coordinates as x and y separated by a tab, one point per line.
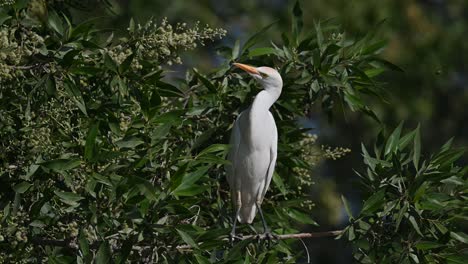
426	38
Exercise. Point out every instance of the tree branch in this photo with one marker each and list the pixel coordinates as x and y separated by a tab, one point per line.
71	244
333	233
295	236
25	67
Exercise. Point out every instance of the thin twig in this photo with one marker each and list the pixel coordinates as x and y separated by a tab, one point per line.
25	67
306	250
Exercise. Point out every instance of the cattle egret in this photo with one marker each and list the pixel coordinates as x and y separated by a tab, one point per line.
254	141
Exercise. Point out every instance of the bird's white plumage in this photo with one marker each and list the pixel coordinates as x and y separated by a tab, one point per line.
253	152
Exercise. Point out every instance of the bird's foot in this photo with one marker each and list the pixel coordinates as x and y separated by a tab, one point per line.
267	236
233	237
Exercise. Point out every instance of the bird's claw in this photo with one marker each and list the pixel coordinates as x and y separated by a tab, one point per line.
268	236
233	237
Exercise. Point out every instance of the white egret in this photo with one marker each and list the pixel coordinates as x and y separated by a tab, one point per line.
253	152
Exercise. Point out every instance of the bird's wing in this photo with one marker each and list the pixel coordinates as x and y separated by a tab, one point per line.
271	167
234	142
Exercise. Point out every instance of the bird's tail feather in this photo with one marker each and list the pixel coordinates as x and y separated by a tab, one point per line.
247	214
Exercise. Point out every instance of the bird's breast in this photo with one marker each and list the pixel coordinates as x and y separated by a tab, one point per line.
262	130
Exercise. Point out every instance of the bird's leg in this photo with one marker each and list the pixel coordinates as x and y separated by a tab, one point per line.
266	231
232	235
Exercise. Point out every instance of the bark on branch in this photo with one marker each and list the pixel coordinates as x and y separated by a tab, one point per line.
302	235
333	233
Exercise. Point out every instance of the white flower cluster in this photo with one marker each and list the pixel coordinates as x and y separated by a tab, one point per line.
162	42
309	154
312	155
15	45
6	2
119	53
334	153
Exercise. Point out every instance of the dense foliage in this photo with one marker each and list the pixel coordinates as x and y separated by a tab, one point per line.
417	206
102	158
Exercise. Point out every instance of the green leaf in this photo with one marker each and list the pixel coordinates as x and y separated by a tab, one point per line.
460	236
187	238
235	50
415	225
346	205
207	83
84	245
148	190
405	140
55	22
201	259
4	17
453	180
447	145
375	47
447	158
400	215
125	66
177	178
417	147
414	258
172	117
22	187
214	148
37	223
354	101
279	183
385	64
187	186
90	148
392	142
68	197
371	162
69	58
160	132
61	164
131	26
103	255
191	190
166	89
130	142
425	245
261	51
319	34
125	250
301	217
75	93
374	202
51	87
455	259
351	234
109	63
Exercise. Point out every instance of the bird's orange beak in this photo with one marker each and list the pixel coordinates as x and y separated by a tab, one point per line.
247	68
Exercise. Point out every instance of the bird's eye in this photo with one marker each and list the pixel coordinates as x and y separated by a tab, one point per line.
264	75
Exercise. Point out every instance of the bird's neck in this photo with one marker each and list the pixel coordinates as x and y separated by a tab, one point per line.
265	99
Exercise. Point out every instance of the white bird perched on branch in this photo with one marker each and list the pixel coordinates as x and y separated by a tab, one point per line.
253	152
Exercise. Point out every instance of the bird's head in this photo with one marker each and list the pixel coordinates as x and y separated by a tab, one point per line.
268	77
